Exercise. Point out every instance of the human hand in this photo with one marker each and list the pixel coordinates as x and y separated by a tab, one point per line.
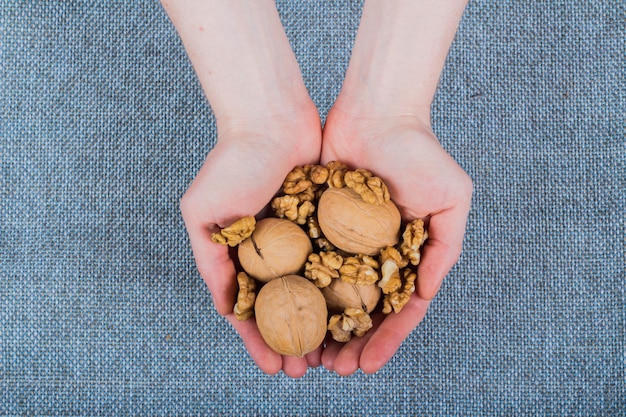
266	123
240	176
424	182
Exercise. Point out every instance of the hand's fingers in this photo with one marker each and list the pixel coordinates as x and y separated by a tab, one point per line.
331	350
314	359
387	338
294	367
442	249
266	359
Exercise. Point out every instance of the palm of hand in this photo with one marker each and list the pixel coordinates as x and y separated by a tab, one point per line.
240	176
424	182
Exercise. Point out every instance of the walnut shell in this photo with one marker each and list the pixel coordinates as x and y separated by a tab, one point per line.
340	295
356	226
277	247
291	315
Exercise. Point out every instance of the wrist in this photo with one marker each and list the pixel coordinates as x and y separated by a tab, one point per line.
287	110
398	56
262	86
358	102
295	131
241	56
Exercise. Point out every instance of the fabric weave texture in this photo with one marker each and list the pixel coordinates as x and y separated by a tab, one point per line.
104	125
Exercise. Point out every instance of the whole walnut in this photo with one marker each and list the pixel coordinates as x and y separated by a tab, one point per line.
355	226
277	247
291	315
340	295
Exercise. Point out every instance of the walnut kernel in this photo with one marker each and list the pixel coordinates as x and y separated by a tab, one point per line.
297	181
397	300
351	321
360	270
371	189
319	174
413	239
244	308
390	280
336	172
391	261
236	232
293	208
322	268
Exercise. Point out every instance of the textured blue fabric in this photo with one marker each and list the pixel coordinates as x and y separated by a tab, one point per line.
104	125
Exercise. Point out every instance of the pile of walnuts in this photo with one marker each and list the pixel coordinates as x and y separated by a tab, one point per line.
335	246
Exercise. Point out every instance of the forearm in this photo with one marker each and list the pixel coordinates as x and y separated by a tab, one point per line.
399	53
241	55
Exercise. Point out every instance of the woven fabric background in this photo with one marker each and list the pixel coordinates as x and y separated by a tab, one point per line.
104	125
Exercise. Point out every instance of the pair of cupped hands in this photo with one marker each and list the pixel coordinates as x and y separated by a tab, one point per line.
246	168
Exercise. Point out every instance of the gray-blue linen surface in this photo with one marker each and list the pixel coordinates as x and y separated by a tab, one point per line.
104	125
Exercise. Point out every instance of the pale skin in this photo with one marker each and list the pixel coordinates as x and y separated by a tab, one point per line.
267	124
